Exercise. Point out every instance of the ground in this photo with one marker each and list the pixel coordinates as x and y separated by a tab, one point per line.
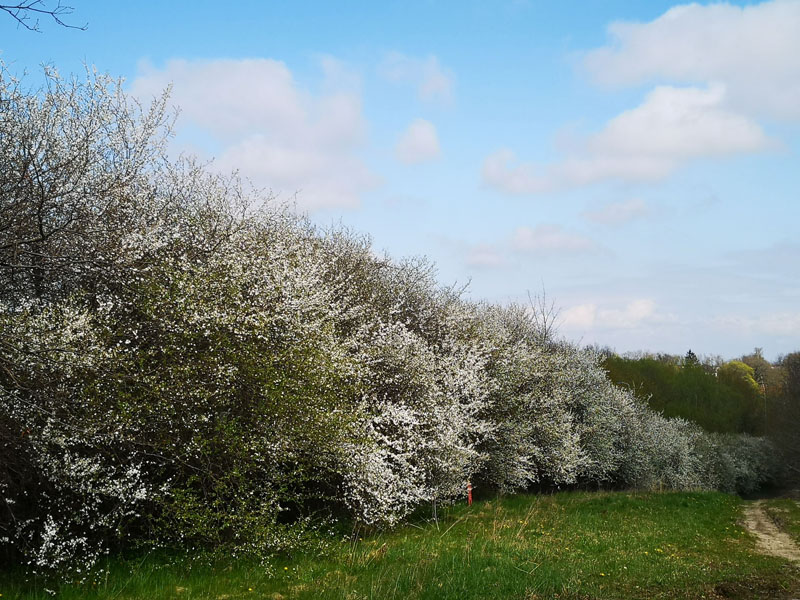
770	539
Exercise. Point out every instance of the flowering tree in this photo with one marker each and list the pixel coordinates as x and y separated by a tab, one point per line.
177	367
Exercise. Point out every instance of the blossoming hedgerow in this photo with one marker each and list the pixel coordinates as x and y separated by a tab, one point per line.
179	367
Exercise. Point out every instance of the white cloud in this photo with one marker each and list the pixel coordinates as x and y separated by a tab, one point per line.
426	75
419	143
676	124
270	129
549	239
581	316
732	65
321	178
616	213
672	125
753	50
590	316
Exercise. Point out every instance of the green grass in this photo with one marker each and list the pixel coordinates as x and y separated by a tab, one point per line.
568	546
786	513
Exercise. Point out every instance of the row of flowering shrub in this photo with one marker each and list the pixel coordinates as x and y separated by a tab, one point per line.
178	368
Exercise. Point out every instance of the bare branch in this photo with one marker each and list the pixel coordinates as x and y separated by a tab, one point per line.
545	315
24	11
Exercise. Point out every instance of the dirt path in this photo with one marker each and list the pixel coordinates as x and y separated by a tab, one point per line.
769	539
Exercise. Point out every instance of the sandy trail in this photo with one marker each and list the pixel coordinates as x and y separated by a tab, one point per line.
769	539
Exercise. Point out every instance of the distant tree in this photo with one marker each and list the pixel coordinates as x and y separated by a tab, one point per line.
28	12
740	381
791	366
667	359
604	352
768	376
787	417
740	374
691	360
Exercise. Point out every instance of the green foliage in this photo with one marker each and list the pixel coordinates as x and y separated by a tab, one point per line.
738	374
726	401
784	413
750	395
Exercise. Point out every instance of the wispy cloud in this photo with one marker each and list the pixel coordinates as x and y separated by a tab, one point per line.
431	81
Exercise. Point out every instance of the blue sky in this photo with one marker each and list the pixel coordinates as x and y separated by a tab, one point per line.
637	160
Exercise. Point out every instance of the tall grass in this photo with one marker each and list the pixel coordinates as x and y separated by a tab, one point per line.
568	545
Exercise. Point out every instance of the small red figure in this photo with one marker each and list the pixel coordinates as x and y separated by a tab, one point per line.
469	493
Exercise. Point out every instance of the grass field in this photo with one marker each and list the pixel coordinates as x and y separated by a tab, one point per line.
568	546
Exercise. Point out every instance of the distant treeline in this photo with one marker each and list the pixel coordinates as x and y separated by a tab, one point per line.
719	397
747	395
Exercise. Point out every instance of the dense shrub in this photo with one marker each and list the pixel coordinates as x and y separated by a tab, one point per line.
177	368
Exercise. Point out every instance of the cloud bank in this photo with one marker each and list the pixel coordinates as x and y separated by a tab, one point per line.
752	50
271	130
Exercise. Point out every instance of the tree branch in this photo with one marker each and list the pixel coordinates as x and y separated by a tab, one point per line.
23	11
